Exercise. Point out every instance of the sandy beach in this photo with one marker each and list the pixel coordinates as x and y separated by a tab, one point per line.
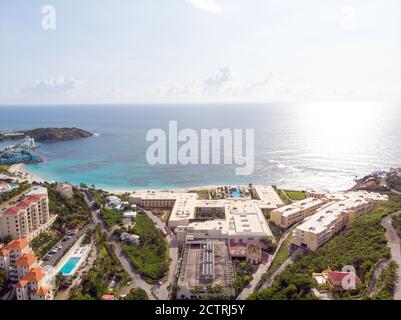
21	173
197	188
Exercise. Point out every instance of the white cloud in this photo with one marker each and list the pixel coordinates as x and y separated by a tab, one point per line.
206	5
348	18
54	86
213	84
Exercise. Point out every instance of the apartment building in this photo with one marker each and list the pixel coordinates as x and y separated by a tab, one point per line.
22	268
182	205
26	218
327	222
289	215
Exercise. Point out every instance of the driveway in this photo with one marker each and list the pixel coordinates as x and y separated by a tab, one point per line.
125	262
173	248
394	240
284	266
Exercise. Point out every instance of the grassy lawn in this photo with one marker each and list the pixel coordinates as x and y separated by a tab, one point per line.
150	256
283	196
202	194
361	245
111	217
296	195
282	255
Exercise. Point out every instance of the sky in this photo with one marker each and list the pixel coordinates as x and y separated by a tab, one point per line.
173	51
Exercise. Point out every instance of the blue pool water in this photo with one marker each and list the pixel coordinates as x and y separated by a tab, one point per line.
235	193
69	266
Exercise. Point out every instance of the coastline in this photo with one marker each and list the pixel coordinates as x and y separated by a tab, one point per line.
22	173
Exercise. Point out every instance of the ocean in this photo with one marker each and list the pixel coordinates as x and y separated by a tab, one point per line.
306	145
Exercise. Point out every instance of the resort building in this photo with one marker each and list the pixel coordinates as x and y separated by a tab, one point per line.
289	215
327	222
182	205
205	265
269	199
28	217
22	269
241	221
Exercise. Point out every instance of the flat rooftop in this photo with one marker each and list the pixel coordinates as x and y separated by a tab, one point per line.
242	217
268	195
323	218
190	274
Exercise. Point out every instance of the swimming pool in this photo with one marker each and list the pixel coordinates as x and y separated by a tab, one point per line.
235	193
69	266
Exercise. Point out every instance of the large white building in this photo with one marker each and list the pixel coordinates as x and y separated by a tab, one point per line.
243	222
238	220
289	215
269	199
325	223
182	204
28	217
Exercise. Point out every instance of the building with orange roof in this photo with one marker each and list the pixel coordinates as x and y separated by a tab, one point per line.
5	259
22	268
17	248
28	217
25	263
36	285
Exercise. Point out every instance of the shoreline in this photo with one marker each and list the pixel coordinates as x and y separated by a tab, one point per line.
23	173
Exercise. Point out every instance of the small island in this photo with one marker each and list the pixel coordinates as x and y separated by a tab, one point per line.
24	150
47	134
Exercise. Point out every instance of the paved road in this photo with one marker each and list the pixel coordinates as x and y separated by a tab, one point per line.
284	266
378	270
394	240
127	265
262	269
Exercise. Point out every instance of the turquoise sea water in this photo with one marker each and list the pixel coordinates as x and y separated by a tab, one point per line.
321	145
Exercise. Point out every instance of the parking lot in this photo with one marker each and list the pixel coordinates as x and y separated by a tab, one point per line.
65	245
